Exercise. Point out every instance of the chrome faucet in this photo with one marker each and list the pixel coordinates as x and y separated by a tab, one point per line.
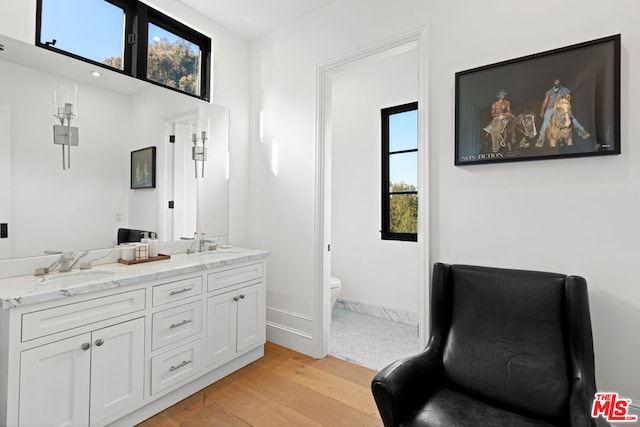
203	241
65	261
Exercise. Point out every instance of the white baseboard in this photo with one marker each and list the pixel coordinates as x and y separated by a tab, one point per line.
387	313
291	330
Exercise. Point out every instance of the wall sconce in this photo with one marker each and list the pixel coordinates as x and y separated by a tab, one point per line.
65	108
199	128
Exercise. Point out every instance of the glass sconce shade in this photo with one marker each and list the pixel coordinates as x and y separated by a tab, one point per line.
200	130
65	103
65	109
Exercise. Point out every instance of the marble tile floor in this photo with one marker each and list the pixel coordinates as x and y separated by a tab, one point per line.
370	341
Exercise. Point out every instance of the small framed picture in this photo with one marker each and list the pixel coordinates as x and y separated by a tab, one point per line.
143	168
560	103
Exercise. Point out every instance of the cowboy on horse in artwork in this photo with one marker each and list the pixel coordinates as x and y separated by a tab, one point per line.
558	122
552	96
501	113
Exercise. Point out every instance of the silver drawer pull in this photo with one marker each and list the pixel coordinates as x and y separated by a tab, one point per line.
180	291
184	362
184	322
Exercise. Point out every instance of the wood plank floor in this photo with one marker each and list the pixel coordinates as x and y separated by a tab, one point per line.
284	388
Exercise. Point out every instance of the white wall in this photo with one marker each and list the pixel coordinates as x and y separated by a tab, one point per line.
575	216
373	271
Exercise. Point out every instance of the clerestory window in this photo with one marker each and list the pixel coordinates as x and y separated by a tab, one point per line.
400	172
130	37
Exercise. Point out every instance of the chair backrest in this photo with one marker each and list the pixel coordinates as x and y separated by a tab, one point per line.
507	341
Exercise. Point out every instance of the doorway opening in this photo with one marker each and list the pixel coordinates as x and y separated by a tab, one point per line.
402	53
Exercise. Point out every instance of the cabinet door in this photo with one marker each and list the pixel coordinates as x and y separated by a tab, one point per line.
251	317
221	327
54	383
117	368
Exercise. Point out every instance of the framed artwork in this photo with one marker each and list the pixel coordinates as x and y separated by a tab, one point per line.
560	103
143	168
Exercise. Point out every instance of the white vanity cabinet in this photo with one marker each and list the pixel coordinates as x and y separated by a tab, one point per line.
179	320
80	362
235	322
83	379
236	312
118	355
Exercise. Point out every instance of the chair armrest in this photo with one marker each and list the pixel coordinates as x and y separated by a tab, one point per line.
581	402
405	384
581	352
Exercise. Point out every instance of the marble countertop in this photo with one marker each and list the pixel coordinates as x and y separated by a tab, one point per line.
29	289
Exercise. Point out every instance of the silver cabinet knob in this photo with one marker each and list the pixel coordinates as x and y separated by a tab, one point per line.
86	346
99	342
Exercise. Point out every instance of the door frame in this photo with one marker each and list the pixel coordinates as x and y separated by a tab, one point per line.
5	179
416	39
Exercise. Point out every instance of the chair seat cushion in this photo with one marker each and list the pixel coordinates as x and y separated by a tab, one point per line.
450	408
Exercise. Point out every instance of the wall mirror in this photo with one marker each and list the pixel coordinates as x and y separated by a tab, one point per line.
81	207
197	152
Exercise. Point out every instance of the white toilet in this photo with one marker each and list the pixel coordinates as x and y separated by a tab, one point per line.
336	287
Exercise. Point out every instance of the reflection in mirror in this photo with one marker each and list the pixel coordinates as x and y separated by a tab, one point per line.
198	186
48	208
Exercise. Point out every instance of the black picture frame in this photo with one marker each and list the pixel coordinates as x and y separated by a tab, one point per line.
143	168
591	72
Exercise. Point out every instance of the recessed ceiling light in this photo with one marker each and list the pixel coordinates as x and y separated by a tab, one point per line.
96	74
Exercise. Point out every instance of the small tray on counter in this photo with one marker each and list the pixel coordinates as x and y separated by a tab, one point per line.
160	257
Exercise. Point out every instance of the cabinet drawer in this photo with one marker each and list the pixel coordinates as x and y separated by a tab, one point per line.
52	320
176	323
175	291
233	276
174	366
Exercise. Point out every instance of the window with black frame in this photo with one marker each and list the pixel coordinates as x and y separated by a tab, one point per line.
400	172
91	29
130	37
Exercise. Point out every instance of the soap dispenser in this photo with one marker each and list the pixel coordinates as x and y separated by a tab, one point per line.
142	249
153	245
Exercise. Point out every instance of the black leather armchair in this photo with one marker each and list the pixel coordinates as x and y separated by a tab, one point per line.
506	348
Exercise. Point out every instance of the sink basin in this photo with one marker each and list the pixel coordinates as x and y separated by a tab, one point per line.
216	252
215	255
74	277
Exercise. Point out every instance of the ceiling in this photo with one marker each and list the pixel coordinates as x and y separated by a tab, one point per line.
254	18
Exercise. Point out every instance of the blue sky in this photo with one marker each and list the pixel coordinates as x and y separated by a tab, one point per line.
403	135
89	28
